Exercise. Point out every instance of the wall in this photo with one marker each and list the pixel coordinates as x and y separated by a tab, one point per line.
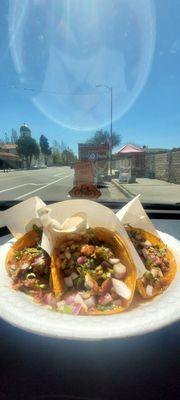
164	166
175	167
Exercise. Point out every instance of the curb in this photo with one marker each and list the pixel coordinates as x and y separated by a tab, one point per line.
125	191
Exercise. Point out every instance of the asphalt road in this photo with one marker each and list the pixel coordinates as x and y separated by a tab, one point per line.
52	183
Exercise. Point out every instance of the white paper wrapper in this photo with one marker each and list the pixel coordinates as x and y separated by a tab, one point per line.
134	214
96	215
20	218
52	229
56	219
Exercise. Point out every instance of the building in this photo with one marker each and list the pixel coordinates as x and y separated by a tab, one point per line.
132	157
9	157
154	150
25	131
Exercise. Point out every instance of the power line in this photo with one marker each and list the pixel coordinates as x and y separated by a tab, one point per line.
47	91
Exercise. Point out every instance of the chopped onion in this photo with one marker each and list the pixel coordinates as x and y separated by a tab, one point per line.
121	289
90	302
147	243
38	261
25	265
85	294
70	299
49	299
156	273
78	300
74	275
114	260
81	260
74	299
149	290
76	309
145	253
68	281
105	299
117	302
119	270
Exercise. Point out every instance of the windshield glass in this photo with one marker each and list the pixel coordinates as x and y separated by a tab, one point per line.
90	95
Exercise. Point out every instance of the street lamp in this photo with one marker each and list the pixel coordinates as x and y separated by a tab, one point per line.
110	139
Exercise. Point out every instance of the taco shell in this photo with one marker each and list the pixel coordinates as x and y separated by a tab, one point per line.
108	238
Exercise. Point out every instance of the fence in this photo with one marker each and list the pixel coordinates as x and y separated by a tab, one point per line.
164	166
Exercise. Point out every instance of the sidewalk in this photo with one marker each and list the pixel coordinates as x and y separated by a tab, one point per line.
151	190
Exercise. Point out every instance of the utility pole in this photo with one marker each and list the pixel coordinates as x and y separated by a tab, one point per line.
111	117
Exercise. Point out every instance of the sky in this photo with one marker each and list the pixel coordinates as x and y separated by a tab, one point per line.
53	57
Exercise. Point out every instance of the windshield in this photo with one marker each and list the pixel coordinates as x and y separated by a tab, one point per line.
90	94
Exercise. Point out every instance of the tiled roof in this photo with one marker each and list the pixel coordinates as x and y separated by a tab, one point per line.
8	146
129	148
8	155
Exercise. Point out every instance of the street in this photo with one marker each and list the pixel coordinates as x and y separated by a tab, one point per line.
52	184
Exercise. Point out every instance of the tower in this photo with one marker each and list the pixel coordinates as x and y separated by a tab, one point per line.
25	131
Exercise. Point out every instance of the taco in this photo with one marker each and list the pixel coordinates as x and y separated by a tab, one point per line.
29	266
94	273
157	259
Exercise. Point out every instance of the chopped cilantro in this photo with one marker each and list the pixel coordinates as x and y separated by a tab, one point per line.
104	308
148	276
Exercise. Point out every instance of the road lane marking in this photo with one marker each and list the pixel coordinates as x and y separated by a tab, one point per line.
24	184
43	187
60	174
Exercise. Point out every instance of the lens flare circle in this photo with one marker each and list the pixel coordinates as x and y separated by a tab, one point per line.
61	52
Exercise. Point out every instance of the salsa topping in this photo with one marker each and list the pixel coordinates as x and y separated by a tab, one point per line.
93	276
155	260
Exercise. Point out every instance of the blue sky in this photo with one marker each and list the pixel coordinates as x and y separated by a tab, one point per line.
52	58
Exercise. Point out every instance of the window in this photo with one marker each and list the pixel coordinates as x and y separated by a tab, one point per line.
93	81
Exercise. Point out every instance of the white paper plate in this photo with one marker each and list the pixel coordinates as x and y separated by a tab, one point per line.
18	309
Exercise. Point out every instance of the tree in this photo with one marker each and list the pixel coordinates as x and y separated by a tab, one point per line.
6	138
62	154
14	136
56	153
27	148
102	137
68	156
44	145
62	146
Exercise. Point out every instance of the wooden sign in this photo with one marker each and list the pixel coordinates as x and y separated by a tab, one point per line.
84	174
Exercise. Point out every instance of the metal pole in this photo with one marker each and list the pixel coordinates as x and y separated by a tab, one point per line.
111	111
